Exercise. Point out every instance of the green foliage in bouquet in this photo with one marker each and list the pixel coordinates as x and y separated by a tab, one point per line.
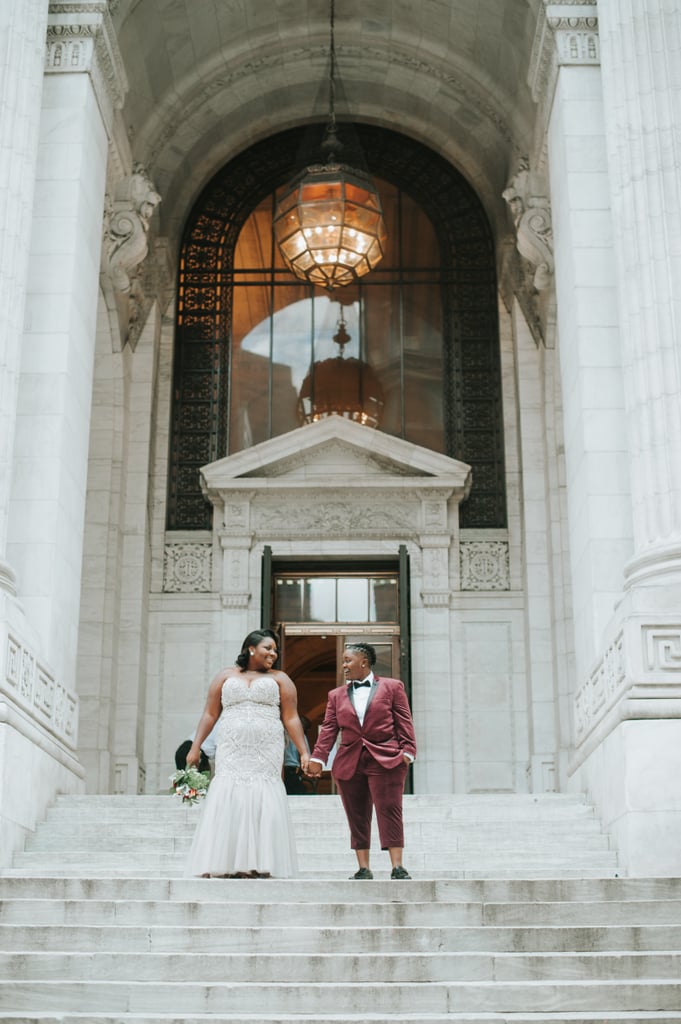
190	784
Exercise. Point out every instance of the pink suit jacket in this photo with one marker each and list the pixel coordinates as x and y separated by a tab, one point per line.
387	731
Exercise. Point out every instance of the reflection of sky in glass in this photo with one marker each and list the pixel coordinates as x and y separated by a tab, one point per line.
353	600
321	598
292	331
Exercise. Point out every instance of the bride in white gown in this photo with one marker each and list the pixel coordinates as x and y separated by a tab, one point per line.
245	828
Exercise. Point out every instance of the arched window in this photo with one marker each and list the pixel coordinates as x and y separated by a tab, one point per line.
255	347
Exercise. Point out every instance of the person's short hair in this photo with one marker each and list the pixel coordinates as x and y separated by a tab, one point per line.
365	649
252	640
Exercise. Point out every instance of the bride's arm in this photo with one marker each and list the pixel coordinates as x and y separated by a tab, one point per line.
211	713
288	701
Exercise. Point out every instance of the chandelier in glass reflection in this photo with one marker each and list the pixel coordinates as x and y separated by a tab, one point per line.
329	222
341	387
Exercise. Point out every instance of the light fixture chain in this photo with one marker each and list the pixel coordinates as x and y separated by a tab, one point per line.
329	223
332	69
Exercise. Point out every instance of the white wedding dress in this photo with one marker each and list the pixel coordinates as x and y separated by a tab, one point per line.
245	824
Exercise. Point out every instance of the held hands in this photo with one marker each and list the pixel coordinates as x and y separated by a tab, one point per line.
313	769
304	762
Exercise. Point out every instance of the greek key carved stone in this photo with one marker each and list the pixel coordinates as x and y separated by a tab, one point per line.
662	648
187	568
35	689
485	565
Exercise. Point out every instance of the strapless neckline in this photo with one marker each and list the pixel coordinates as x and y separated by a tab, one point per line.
249	683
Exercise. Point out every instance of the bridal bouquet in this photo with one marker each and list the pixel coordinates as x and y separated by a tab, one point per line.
190	784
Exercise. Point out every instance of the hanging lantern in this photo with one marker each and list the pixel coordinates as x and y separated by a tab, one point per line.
329	222
329	225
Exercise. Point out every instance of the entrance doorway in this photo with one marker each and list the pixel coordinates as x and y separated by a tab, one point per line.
314	660
317	611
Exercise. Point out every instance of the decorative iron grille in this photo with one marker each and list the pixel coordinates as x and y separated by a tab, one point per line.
472	375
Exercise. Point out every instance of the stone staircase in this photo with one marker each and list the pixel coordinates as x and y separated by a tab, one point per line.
515	913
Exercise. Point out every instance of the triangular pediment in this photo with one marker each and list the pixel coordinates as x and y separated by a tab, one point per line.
334	452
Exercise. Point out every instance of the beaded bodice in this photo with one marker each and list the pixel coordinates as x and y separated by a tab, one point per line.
251	736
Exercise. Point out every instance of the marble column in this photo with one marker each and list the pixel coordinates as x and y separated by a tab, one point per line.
22	45
641	46
83	85
570	150
631	704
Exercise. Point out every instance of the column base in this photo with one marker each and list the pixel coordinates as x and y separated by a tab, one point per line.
633	779
8	581
658	566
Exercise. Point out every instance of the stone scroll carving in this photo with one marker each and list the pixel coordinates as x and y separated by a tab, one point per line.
531	213
126	226
130	279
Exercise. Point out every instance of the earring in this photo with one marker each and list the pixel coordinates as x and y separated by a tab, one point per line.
251	653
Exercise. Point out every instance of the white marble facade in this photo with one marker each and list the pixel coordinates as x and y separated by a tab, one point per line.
546	656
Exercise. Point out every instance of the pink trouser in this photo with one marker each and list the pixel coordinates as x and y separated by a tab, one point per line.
371	786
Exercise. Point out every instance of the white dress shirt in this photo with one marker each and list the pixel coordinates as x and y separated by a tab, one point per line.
361	697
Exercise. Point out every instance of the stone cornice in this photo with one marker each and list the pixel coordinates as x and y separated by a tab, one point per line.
81	38
566	34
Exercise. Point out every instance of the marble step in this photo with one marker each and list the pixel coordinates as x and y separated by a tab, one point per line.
342	997
546	807
263	1017
476	940
382	914
89	834
244	914
310	939
327	968
326	856
446	836
547	872
602	1017
483	890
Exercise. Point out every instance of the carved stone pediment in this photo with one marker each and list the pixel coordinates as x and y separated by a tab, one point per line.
334	454
336	482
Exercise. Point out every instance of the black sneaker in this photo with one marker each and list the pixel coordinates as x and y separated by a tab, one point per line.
363	873
399	872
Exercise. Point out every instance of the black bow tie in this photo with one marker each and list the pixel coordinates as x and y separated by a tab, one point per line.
357	683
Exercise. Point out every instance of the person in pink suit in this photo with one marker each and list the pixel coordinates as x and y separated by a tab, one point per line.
370	717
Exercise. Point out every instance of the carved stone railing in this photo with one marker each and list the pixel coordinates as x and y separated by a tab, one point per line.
32	687
638	676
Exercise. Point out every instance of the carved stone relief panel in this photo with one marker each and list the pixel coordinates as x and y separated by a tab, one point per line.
395	513
187	568
485	565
